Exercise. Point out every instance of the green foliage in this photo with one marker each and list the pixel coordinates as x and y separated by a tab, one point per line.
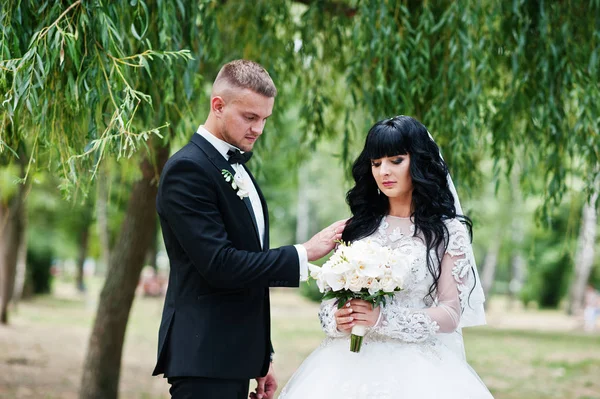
550	262
430	60
39	262
311	291
98	78
549	282
546	92
595	275
8	182
343	296
76	84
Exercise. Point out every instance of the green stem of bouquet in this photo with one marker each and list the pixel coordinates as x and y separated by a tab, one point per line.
355	343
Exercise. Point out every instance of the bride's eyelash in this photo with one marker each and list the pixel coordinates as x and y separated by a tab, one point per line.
396	161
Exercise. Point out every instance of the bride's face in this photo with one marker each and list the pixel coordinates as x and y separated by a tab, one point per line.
392	175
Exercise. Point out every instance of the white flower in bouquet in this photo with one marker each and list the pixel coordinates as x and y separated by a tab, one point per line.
334	281
373	285
365	270
388	284
354	283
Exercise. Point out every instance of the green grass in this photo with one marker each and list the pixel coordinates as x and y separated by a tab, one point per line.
518	364
514	364
42	352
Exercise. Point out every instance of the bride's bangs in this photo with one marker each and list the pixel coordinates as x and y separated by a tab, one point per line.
385	141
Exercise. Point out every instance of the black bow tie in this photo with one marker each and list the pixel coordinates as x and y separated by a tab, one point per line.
235	156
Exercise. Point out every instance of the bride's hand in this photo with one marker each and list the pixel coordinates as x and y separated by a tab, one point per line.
364	313
356	312
344	319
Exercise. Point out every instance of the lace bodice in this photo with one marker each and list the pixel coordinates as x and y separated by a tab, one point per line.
413	315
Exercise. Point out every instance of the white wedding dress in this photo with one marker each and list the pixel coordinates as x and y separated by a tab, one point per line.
415	351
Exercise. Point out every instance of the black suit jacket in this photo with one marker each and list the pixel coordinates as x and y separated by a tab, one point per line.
216	320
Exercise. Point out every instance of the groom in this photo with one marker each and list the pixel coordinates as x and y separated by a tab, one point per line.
215	330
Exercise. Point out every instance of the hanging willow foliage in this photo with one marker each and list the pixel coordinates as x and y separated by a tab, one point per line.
517	78
77	80
547	92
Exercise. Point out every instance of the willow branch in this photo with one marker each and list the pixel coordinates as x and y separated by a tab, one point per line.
61	16
333	7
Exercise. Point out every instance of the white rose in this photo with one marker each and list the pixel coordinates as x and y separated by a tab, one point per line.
239	184
373	285
242	193
388	284
239	179
355	283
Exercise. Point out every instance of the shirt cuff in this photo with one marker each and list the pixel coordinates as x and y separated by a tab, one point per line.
303	261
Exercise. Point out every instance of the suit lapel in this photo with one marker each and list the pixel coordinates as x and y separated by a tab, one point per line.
220	163
248	204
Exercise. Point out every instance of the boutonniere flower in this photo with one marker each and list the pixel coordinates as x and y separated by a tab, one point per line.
237	183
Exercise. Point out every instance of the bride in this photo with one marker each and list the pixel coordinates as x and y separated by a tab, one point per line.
405	199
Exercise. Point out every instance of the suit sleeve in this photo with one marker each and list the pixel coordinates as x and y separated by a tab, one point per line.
189	203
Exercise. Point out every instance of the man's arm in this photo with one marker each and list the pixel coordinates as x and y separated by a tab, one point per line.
188	202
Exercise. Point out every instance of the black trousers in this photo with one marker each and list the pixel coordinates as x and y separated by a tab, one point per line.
207	388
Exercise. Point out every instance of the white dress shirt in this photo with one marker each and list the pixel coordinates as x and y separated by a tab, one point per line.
223	147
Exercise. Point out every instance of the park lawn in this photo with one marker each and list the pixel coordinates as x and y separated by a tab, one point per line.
514	364
42	351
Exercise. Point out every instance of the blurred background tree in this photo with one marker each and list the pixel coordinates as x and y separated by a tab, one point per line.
96	89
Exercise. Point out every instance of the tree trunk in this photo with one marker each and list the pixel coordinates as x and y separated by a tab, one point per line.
86	218
102	367
517	278
518	264
12	231
584	259
21	272
489	267
102	215
84	236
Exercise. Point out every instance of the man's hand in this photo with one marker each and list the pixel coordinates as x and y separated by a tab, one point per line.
324	241
265	386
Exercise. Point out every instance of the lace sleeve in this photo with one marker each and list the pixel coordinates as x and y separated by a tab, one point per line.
460	249
405	324
417	325
327	318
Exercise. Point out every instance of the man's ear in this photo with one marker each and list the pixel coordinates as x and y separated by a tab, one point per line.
216	105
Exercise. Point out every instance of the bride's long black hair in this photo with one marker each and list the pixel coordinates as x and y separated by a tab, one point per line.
432	200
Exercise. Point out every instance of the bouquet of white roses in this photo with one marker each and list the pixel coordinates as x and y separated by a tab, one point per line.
365	270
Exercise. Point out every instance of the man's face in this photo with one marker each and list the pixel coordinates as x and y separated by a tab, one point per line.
242	117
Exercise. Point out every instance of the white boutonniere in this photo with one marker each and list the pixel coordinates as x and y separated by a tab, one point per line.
237	183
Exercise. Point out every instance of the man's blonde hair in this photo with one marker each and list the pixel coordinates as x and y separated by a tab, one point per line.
244	74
